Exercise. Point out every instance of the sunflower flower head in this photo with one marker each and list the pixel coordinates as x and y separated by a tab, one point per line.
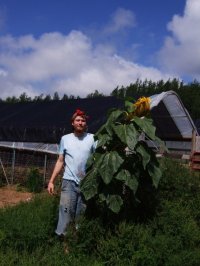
142	106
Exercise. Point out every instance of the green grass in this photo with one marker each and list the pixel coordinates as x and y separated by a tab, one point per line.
169	236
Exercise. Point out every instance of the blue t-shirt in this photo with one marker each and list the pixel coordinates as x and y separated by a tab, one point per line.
76	151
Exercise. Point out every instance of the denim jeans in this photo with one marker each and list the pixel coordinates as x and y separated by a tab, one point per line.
71	205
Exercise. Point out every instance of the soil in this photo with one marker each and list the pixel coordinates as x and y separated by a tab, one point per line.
9	196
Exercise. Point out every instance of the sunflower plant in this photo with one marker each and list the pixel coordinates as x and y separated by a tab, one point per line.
122	162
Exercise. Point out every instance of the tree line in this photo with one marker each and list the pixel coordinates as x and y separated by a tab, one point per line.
188	92
42	97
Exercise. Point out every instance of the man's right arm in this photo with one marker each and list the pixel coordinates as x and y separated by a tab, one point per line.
56	171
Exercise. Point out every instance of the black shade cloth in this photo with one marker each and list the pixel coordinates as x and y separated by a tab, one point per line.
47	121
165	126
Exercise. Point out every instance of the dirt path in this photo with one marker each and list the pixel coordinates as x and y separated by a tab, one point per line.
9	196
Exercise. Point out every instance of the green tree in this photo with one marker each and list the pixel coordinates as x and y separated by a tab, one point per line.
189	93
12	99
24	97
39	98
65	97
95	94
47	98
56	96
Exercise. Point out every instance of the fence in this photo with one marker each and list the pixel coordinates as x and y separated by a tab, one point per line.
15	165
16	159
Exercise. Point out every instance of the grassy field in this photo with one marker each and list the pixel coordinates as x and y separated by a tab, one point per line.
167	232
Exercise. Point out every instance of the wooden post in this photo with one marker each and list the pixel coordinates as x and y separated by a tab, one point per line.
193	141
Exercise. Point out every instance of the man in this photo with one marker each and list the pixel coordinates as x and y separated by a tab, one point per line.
75	148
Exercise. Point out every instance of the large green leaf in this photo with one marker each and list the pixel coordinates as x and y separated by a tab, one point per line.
109	166
114	203
129	179
160	143
103	140
127	134
155	173
89	185
108	127
146	126
129	106
102	130
114	116
90	161
143	150
99	157
102	197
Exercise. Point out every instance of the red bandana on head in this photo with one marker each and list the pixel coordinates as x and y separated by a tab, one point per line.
78	112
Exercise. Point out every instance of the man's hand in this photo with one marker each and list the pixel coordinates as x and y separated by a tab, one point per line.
50	188
56	171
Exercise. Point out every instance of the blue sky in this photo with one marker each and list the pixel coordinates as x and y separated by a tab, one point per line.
79	46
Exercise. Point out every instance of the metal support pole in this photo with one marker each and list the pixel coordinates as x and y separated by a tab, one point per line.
45	168
13	167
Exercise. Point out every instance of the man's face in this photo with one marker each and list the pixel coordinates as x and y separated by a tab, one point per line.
79	124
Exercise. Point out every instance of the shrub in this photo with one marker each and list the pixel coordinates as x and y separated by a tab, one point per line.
34	181
120	247
178	180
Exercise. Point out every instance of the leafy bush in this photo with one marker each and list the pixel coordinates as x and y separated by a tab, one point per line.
180	184
34	181
178	180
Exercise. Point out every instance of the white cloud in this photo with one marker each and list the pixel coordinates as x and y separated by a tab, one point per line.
69	64
107	73
52	55
120	20
3	73
181	51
